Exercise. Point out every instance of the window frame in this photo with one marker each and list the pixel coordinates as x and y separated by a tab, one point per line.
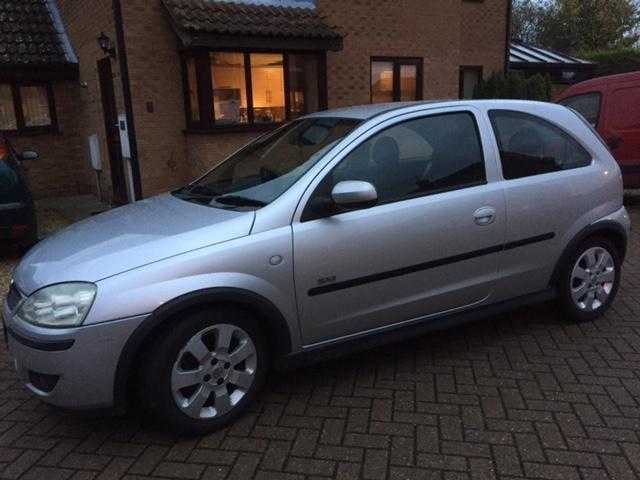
398	62
307	213
479	69
207	123
600	99
22	129
554	126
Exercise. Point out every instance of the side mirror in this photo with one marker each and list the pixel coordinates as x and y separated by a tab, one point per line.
29	156
354	194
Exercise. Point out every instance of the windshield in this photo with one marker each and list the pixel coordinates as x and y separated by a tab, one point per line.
269	166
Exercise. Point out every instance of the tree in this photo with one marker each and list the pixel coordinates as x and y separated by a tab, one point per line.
526	19
573	26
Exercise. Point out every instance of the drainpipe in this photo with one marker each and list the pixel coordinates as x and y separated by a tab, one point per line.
508	35
126	93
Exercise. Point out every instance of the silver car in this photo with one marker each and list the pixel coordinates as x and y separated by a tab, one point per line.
340	230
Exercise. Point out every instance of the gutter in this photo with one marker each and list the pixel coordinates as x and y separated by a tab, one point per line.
128	102
58	24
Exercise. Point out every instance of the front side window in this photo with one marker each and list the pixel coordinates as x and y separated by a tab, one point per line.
587	105
396	79
26	107
247	88
530	145
267	167
415	158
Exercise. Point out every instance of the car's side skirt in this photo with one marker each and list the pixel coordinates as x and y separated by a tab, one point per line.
396	333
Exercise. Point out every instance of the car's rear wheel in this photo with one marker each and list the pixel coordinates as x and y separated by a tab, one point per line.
205	370
590	279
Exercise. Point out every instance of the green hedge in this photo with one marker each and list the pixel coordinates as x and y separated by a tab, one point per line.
611	62
515	85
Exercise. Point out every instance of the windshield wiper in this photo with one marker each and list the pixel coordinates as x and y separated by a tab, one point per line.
239	201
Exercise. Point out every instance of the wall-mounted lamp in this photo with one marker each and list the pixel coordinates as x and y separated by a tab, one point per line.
105	45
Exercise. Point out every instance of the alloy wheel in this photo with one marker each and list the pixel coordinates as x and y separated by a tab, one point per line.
592	279
214	371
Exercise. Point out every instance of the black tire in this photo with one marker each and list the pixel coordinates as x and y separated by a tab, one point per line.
567	302
154	378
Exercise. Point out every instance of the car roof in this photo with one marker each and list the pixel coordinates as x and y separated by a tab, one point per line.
366	112
597	82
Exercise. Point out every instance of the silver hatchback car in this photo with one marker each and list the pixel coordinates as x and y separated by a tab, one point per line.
340	230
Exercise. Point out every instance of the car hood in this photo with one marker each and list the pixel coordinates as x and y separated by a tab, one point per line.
126	238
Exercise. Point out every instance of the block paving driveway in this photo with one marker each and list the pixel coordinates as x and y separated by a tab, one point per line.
524	395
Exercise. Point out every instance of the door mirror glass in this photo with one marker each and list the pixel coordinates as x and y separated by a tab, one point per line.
29	155
354	194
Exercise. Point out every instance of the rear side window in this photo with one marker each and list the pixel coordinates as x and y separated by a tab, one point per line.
587	105
531	146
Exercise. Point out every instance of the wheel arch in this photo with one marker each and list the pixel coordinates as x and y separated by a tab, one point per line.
606	228
279	336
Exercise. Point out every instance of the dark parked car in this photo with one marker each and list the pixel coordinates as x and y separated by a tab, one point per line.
17	213
612	106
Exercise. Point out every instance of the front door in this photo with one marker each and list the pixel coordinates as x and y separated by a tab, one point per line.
110	111
621	130
429	246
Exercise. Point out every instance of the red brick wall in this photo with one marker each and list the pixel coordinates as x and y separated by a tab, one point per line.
55	173
84	21
483	34
156	77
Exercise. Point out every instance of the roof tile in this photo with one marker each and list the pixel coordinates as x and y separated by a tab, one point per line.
28	35
227	18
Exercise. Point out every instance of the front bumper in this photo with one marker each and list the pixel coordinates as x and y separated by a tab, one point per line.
71	368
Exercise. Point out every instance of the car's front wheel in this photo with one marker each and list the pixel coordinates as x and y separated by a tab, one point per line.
590	279
205	370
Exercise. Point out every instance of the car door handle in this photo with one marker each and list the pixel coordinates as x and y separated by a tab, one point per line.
484	216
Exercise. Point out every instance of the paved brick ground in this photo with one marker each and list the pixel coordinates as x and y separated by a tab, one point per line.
525	395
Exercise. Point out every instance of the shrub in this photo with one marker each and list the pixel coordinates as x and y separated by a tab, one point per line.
515	85
611	62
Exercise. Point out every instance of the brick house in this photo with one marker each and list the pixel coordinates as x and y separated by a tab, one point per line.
180	84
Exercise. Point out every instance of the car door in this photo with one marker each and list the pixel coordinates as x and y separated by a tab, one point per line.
621	129
549	183
428	246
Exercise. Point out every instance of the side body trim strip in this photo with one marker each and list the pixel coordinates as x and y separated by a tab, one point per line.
377	277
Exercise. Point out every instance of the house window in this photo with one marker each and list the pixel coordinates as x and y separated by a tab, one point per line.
304	94
396	79
229	84
192	90
470	78
245	89
26	107
267	86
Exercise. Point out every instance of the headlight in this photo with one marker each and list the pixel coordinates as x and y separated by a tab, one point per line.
62	305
